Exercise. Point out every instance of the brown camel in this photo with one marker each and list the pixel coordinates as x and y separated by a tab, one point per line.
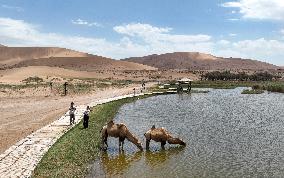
118	131
161	135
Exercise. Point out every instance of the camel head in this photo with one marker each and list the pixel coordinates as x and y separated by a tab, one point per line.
181	142
137	142
176	141
139	145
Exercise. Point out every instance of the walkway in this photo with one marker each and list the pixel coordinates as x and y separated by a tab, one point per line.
21	159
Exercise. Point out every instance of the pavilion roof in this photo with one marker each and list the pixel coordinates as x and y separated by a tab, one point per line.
185	80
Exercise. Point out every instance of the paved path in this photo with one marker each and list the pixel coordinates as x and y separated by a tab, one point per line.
21	159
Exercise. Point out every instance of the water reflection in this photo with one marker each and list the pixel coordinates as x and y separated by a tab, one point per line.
156	158
117	164
228	135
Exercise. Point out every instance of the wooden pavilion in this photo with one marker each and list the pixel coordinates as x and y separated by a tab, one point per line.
182	82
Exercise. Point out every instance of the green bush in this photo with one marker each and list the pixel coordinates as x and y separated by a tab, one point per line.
247	91
34	79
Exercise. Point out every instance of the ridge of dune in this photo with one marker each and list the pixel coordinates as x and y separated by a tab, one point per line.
16	57
199	61
13	55
92	63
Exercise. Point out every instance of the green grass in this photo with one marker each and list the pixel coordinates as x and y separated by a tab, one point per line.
75	150
22	86
247	91
277	86
222	84
199	91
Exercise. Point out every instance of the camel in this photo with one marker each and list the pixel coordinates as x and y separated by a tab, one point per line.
161	135
118	131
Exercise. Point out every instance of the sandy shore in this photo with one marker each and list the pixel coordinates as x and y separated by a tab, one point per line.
22	116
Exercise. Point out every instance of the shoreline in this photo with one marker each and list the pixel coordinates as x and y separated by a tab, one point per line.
22	158
20	117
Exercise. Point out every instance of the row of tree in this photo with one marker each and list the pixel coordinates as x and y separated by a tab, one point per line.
227	75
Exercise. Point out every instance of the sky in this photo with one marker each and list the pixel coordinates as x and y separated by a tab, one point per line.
125	28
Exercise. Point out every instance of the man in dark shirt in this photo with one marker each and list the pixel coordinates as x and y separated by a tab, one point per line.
72	110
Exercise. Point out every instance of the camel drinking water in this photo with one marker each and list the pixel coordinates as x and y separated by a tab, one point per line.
161	135
119	131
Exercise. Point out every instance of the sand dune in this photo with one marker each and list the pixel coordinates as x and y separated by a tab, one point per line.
16	57
200	61
13	55
92	63
16	75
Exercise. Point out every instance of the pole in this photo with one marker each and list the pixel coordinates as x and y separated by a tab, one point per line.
65	88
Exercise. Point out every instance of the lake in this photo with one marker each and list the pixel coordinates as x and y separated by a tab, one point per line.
228	134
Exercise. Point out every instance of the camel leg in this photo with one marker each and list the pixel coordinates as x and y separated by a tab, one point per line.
147	144
163	144
121	142
104	142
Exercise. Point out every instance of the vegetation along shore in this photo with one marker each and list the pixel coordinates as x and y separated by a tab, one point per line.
71	155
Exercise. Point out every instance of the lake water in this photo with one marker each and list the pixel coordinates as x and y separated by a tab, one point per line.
227	134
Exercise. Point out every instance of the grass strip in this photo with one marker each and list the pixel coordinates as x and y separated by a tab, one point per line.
247	91
273	86
71	155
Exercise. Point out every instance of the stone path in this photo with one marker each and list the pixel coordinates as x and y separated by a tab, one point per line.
21	159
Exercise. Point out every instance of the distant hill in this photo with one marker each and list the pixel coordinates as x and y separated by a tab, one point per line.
13	55
91	63
199	61
16	57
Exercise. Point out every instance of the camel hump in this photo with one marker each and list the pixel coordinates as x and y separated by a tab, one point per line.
104	127
164	131
110	123
121	125
147	133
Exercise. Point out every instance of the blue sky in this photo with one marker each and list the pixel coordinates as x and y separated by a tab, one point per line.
123	28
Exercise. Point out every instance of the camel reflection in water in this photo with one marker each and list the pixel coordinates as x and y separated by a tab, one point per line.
119	164
157	158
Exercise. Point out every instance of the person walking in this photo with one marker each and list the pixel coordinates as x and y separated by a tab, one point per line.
72	110
86	117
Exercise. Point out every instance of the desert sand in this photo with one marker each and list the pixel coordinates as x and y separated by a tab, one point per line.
200	61
22	116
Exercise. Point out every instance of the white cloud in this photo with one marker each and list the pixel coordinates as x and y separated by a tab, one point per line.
140	29
282	31
159	40
223	42
232	34
233	19
86	23
151	34
260	49
16	8
136	43
259	9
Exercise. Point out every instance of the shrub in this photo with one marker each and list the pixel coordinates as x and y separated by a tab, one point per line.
34	79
